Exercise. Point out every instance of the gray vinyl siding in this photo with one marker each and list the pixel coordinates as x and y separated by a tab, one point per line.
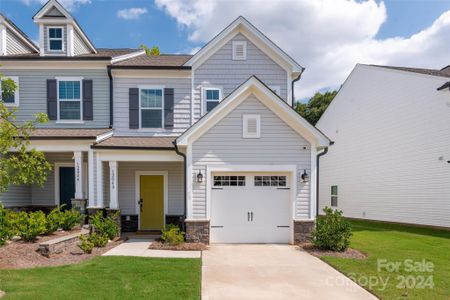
222	71
127	185
33	94
14	45
79	46
223	144
16	196
46	49
182	104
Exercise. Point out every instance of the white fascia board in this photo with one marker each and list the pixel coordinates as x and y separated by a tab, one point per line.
104	136
53	64
118	58
44	9
269	99
61	145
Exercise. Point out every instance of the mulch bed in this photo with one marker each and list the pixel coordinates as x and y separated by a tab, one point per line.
19	254
157	245
349	253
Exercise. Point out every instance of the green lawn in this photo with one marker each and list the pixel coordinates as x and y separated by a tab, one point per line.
107	278
396	243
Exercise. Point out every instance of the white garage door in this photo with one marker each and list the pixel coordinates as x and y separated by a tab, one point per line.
250	208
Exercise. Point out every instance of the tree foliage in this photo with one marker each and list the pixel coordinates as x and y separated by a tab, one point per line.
315	107
150	51
24	165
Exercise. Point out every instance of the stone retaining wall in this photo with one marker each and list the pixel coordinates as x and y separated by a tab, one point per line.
61	244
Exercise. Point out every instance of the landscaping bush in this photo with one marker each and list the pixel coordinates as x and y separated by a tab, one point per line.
29	225
86	245
98	240
172	235
332	231
6	231
54	220
70	219
105	226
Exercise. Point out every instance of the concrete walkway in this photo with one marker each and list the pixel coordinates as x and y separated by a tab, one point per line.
272	272
139	247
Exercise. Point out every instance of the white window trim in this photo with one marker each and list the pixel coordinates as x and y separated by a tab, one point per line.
151	87
209	88
55	39
74	121
276	89
234	45
16	92
245	133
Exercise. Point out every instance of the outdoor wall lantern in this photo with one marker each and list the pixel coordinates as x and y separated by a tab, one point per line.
199	177
305	176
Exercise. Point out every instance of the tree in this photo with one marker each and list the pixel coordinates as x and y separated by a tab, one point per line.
315	107
24	165
150	51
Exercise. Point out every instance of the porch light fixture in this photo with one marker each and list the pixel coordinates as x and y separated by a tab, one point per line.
305	176
199	177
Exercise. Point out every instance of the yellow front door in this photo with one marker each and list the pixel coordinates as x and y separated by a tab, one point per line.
152	202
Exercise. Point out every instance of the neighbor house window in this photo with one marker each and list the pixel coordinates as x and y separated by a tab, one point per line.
55	38
212	97
69	99
151	107
334	195
13	98
239	50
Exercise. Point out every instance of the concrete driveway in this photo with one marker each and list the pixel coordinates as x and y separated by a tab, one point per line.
272	272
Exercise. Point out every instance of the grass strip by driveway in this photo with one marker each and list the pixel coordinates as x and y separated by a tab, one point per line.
107	278
392	243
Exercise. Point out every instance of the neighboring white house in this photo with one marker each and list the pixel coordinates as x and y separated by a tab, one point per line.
391	155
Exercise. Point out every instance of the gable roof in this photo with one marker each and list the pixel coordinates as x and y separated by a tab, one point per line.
271	100
50	6
242	25
18	32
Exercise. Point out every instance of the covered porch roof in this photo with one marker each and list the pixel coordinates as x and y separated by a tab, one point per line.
136	143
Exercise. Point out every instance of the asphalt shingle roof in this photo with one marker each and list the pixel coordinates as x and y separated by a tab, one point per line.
128	142
163	60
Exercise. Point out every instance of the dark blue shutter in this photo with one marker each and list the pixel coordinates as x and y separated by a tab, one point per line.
134	108
88	98
168	107
52	99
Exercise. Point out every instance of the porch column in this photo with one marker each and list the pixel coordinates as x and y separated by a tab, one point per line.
79	172
99	182
91	185
113	185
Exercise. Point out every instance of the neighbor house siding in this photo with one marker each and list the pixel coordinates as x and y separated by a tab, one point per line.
79	46
182	104
392	146
14	45
46	49
221	71
33	94
223	144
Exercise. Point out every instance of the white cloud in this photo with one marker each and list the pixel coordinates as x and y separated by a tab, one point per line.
133	13
328	37
70	5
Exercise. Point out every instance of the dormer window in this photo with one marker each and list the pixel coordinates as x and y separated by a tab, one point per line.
239	50
55	38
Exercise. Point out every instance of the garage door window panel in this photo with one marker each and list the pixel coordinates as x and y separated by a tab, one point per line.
275	181
220	181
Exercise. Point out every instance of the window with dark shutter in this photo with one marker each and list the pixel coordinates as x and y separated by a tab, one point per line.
88	109
134	108
168	107
52	99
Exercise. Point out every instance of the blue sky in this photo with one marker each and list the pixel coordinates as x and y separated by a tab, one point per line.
327	36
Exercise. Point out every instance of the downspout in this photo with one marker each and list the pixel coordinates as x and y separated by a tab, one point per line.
111	95
292	86
185	178
325	151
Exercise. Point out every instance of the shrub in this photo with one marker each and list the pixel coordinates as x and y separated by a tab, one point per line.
172	235
332	231
98	240
86	245
54	219
29	225
105	226
70	219
6	231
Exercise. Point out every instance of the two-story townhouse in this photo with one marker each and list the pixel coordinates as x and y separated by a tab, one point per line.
210	139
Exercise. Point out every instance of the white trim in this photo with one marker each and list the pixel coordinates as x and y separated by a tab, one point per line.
254	87
192	97
138	155
55	39
151	87
137	176
6	25
291	169
70	41
41	40
91	195
56	167
3	48
113	185
99	199
104	136
245	133
16	92
189	170
203	91
313	183
119	58
44	9
80	100
79	174
42	64
236	44
60	145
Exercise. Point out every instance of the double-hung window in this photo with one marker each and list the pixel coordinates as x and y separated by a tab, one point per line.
334	195
151	107
12	98
212	97
69	99
55	38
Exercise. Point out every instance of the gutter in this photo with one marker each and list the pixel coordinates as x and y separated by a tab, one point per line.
292	87
111	96
325	151
185	179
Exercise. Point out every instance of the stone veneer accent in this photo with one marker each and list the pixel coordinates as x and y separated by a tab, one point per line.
79	204
197	231
302	231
